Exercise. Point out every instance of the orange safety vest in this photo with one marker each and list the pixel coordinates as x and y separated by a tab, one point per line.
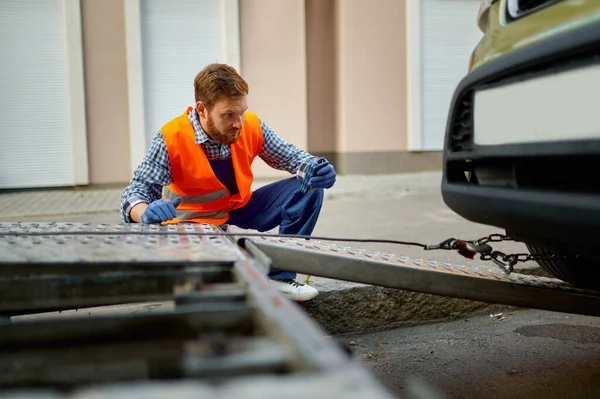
204	198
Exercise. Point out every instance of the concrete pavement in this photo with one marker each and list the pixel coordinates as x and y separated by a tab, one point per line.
76	201
529	354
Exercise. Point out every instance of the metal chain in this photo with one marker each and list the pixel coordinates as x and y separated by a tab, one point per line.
508	261
515	258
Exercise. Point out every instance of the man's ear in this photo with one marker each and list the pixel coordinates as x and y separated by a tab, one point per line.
201	109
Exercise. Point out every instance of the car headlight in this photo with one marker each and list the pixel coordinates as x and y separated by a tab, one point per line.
483	14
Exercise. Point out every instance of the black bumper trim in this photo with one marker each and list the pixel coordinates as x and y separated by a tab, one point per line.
533	214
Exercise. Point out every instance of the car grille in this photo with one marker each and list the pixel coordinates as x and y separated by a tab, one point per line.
461	135
551	173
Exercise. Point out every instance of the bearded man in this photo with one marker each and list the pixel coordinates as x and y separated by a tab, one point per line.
198	170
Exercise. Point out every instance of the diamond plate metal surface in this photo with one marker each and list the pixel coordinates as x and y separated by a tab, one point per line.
249	334
482	283
69	243
483	271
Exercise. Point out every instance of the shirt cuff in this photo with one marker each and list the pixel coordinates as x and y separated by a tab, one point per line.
307	169
128	206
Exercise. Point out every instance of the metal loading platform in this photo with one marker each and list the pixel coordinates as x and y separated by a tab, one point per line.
229	331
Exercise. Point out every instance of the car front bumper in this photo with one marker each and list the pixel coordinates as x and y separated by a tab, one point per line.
541	187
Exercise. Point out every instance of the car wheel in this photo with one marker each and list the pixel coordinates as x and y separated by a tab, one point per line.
581	271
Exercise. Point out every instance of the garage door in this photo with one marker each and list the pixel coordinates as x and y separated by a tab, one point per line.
35	120
179	38
449	35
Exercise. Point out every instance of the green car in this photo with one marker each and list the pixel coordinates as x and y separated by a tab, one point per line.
522	144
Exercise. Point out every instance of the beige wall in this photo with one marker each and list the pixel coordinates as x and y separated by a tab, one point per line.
321	76
106	90
371	89
327	75
273	61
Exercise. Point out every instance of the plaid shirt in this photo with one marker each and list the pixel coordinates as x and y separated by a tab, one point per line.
154	172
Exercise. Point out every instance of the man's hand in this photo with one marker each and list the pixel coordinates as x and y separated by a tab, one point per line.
160	211
324	177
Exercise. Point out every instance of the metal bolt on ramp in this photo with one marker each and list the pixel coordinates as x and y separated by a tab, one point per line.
229	335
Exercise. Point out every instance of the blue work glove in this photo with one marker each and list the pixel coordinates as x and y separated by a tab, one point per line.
160	211
323	177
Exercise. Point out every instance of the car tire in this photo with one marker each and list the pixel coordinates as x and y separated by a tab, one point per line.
581	271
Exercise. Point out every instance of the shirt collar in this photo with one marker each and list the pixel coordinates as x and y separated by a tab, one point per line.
201	136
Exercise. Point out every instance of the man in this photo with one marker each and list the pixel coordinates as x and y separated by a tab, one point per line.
198	170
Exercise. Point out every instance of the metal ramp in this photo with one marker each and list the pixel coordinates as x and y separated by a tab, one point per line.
485	283
230	334
229	331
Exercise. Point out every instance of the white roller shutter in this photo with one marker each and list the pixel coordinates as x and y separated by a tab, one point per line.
35	122
179	38
449	35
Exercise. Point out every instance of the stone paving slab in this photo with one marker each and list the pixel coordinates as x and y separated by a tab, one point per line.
58	202
345	307
29	203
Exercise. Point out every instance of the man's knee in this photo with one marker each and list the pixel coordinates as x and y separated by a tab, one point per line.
315	197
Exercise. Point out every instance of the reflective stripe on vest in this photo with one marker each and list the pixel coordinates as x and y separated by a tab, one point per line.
196	199
182	215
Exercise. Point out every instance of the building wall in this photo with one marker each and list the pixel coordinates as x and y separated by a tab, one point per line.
327	75
357	86
371	76
273	62
371	89
321	65
105	66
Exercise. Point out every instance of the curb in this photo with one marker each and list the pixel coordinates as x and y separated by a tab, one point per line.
344	307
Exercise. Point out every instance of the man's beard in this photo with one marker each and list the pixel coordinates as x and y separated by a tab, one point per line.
223	138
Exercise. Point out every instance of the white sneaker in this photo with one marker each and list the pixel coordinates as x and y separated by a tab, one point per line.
295	290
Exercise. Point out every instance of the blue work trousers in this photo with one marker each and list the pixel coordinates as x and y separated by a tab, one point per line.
280	204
